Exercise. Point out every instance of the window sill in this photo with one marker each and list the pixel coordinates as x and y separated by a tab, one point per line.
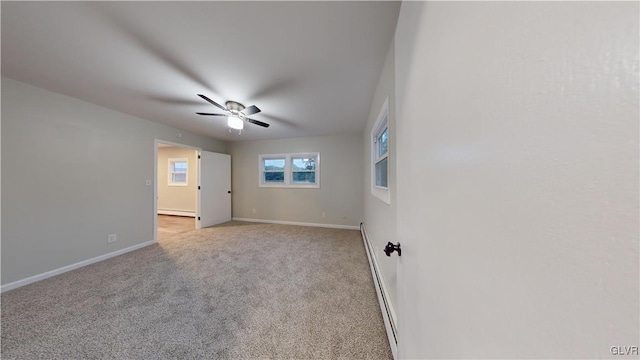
290	186
382	194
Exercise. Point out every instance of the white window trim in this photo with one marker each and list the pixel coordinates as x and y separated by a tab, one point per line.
186	177
288	171
382	122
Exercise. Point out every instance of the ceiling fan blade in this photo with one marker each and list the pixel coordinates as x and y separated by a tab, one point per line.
213	102
210	114
259	123
251	110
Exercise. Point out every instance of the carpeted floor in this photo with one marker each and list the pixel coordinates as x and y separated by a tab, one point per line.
234	291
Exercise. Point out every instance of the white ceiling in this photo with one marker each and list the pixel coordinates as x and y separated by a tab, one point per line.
312	67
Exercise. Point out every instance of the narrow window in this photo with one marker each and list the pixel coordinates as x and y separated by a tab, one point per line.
382	159
380	155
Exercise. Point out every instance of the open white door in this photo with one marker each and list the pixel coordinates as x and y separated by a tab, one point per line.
214	184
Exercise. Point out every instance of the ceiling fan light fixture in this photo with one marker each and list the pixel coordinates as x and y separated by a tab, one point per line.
235	122
235	113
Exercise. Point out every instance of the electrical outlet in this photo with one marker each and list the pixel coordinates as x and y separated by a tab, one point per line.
324	214
254	211
112	238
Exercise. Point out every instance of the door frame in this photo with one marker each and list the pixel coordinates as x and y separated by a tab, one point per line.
155	183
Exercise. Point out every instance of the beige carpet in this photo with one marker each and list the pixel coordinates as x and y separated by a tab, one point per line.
236	291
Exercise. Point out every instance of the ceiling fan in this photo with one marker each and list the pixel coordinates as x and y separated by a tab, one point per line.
236	113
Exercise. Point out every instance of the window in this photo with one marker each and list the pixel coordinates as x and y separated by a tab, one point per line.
274	170
290	170
303	170
380	155
178	172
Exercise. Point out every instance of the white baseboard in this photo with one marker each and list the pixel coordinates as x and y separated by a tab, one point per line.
388	313
64	269
177	213
332	226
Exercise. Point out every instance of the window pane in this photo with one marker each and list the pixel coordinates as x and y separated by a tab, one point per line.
383	142
273	176
179	177
381	173
180	166
307	177
274	164
305	163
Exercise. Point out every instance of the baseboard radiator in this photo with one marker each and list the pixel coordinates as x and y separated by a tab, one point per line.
383	297
177	212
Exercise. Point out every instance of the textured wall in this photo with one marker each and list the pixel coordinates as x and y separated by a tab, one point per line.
78	173
178	198
339	195
517	159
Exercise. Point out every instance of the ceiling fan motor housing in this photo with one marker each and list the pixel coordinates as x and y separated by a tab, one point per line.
234	106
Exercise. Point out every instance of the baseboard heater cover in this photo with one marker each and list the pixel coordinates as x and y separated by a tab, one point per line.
330	226
177	213
383	296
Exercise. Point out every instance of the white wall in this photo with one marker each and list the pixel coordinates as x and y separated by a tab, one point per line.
339	195
177	198
380	217
74	172
517	160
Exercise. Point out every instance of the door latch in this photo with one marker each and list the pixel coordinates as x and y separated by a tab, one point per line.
390	248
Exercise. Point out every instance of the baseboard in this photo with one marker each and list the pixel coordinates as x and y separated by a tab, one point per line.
177	213
388	314
64	269
332	226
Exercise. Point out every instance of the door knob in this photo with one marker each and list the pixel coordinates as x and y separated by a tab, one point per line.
390	248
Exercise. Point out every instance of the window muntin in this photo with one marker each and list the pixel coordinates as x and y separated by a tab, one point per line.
290	170
178	172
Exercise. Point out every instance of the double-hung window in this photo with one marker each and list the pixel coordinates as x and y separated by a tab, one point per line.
380	155
178	172
290	170
382	158
273	170
303	169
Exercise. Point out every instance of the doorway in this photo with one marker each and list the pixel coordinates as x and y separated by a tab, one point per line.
176	189
192	188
